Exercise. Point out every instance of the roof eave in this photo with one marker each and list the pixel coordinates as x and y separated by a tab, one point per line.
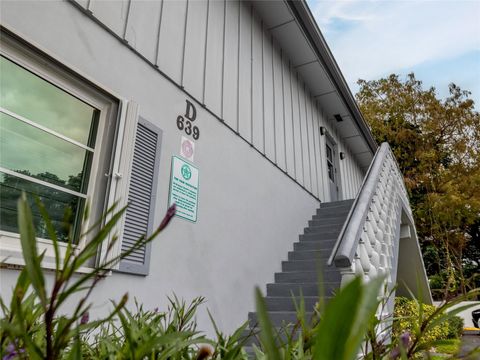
306	20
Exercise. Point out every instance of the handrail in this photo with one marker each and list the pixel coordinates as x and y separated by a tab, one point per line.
345	246
380	216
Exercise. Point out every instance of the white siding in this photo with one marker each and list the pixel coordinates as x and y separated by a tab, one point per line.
221	53
172	38
194	59
143	25
214	64
257	85
230	71
244	78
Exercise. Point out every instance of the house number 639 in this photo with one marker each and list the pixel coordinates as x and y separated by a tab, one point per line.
184	122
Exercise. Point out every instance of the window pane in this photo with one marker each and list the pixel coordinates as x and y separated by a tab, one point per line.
330	171
36	99
329	153
56	202
36	153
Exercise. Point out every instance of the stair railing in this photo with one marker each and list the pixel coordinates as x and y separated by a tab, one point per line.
369	240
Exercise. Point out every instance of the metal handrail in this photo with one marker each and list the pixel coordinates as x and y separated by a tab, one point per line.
345	246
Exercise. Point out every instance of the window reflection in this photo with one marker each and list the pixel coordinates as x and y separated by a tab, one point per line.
55	201
42	155
47	144
38	100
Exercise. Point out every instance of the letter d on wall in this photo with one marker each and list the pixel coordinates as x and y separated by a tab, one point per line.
190	112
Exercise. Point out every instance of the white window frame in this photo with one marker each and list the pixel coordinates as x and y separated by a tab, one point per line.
112	109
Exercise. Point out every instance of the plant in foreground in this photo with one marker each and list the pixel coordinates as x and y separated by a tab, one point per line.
350	325
32	325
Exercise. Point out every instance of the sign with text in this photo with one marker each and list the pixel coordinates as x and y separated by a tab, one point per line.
184	189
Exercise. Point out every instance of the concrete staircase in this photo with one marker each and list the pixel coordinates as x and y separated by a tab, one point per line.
300	272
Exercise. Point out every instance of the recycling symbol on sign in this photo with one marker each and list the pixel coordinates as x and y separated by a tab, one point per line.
186	172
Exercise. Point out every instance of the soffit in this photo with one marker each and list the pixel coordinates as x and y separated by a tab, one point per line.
288	33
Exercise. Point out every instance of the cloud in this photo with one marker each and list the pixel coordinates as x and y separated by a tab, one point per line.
370	39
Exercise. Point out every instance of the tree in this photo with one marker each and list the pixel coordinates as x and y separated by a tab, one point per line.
437	145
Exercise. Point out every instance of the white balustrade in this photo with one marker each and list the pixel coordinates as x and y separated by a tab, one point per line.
368	243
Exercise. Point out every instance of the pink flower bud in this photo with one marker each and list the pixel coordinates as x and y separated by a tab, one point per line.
168	216
85	317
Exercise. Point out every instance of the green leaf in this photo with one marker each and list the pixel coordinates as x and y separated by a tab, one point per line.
266	333
29	248
346	319
368	304
338	318
51	233
76	350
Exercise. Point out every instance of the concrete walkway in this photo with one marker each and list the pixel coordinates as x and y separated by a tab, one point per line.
469	344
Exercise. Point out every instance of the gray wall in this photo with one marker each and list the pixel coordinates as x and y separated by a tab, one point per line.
249	211
225	58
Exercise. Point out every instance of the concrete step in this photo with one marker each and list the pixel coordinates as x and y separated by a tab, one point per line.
337	203
325	245
309	255
327	224
321	230
281	335
314	233
287	303
305	289
304	265
330	275
332	213
279	318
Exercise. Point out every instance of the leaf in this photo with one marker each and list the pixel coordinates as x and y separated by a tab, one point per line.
367	307
346	319
51	233
29	248
266	332
76	350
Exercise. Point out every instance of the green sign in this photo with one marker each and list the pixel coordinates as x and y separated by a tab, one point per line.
184	189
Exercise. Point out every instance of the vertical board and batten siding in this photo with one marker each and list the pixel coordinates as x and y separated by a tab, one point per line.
257	84
288	118
230	65
213	90
195	45
171	39
244	76
268	104
223	55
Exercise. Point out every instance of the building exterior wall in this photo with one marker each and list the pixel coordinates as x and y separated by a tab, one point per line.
252	204
223	55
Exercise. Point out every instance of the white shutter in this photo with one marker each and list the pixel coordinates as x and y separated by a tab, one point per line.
141	197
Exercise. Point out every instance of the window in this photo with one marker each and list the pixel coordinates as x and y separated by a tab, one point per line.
57	133
47	139
331	172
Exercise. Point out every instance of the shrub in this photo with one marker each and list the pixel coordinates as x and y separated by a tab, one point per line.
455	327
33	328
408	314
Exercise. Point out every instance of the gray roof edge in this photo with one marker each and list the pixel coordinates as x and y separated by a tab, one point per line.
305	18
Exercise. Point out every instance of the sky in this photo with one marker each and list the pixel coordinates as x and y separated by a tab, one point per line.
437	40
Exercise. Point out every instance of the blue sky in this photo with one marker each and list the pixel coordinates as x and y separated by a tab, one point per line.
437	40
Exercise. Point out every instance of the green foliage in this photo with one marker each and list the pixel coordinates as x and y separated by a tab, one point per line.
455	327
336	332
34	327
437	145
409	314
146	334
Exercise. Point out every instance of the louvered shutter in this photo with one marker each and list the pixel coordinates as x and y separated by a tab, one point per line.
141	197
